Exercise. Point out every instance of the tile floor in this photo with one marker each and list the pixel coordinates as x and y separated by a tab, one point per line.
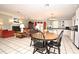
15	45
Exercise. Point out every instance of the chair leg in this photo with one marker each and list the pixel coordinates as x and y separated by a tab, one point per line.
54	50
31	43
58	50
34	50
49	49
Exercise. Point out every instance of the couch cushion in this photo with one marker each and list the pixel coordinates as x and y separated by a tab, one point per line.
6	33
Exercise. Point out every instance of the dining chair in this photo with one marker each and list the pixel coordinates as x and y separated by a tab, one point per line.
32	32
56	44
39	46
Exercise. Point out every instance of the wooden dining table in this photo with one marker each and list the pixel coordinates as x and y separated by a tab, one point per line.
45	36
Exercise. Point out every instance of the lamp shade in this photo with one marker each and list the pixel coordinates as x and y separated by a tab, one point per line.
22	26
1	23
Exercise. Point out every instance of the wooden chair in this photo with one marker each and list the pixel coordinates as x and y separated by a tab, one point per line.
56	44
40	46
32	32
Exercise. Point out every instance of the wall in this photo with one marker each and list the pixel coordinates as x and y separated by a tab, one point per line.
5	20
66	23
1	23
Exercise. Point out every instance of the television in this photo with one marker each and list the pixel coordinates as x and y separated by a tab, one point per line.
16	28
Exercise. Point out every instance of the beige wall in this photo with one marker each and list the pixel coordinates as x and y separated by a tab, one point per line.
68	32
5	20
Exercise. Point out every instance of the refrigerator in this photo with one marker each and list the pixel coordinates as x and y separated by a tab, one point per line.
76	28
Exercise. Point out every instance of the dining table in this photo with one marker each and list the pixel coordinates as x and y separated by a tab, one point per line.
45	36
48	36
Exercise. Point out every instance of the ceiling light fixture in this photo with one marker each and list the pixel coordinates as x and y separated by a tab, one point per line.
47	5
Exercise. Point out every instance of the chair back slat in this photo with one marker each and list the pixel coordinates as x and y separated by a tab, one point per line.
39	41
60	37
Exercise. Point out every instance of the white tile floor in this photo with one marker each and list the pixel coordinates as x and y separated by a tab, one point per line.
15	45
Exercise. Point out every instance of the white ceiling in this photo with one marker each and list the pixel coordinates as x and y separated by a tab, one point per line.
38	11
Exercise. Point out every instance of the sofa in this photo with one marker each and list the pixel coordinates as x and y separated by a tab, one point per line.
6	33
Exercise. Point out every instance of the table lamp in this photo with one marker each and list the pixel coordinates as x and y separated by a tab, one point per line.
1	25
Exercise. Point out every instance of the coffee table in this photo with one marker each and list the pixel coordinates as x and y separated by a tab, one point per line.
20	35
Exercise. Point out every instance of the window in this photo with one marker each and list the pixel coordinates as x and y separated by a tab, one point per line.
56	23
